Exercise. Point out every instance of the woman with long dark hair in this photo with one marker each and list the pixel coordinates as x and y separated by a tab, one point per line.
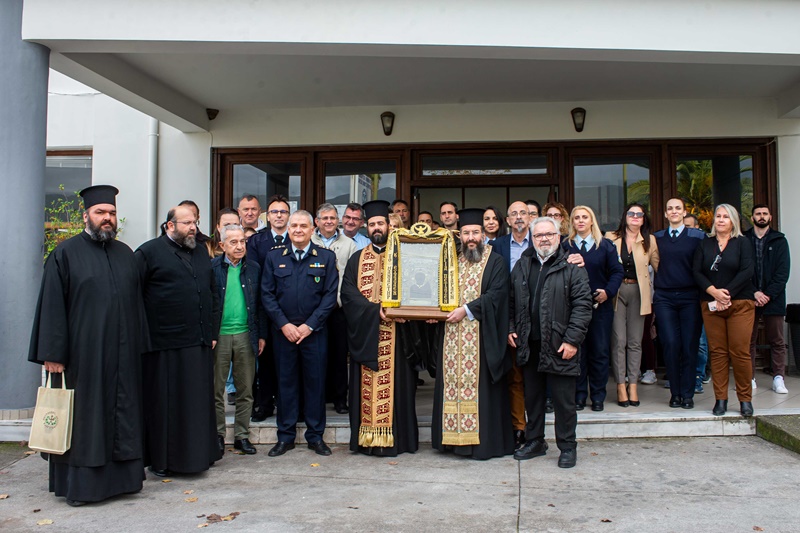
494	225
637	250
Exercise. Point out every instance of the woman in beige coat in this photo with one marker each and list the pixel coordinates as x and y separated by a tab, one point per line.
637	250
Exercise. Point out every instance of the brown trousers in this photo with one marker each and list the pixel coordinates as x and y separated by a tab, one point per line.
728	334
516	391
773	329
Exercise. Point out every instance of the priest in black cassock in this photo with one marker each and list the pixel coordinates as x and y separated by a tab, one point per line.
88	328
383	418
471	409
178	368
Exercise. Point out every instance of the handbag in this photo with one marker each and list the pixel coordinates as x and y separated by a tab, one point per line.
51	429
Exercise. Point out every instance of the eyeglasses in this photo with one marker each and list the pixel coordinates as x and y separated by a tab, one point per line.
556	215
514	214
635	214
186	222
354	219
278	212
544	236
327	219
715	264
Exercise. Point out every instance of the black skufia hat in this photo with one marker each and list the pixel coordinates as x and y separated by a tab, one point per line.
376	208
99	194
470	217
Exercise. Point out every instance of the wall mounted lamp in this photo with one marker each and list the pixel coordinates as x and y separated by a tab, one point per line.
387	121
578	118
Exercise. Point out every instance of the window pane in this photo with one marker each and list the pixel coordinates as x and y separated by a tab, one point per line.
359	181
483	197
266	179
709	181
484	165
74	173
608	184
540	194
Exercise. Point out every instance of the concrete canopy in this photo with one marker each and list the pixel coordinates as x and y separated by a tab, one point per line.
184	60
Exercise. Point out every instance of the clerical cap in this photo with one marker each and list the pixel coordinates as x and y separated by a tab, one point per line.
376	208
99	194
470	217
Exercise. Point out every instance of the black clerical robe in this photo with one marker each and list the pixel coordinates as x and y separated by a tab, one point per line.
178	368
490	309
363	319
90	319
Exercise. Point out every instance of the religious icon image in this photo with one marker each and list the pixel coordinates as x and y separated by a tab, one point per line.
420	290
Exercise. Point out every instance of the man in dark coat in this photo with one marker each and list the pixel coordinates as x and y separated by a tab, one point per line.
551	302
771	251
471	412
88	328
383	417
178	370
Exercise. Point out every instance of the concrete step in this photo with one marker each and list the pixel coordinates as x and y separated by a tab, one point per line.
783	430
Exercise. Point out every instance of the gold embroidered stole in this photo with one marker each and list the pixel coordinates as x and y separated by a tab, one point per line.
461	362
377	388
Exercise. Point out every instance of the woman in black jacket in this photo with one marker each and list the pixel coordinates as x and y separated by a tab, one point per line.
723	270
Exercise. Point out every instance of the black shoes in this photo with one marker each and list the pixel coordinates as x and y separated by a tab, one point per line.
281	448
548	405
580	405
597	406
231	398
319	447
244	446
675	402
687	403
75	503
531	449
519	438
341	408
259	415
720	407
746	409
159	473
567	459
221	444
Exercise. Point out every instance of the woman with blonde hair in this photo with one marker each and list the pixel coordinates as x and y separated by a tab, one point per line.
723	269
637	250
605	276
558	212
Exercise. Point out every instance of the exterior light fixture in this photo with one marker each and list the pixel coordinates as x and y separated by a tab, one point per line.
387	121
578	118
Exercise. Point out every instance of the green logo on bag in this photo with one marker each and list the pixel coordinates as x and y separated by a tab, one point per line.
50	420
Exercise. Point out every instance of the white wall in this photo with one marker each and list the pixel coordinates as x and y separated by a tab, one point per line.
788	196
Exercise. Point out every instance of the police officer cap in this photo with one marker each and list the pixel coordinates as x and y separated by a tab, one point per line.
99	194
376	208
470	217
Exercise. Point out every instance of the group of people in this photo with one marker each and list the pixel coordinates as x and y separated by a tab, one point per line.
287	315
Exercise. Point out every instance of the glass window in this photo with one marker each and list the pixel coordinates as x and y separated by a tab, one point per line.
485	165
709	181
485	196
359	181
64	177
266	179
608	183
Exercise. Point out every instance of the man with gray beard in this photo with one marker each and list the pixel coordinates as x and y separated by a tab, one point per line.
471	411
551	304
178	368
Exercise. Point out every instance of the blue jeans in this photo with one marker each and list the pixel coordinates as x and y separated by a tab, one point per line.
702	355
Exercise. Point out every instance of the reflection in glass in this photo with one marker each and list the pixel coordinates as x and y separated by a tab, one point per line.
73	172
420	274
484	165
266	179
359	181
608	184
708	181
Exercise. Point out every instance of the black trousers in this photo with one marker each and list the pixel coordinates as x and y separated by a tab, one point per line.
336	380
265	385
562	389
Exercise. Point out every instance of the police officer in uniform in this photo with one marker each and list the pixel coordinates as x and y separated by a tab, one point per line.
299	288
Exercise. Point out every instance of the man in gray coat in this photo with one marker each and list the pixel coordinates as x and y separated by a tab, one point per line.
551	306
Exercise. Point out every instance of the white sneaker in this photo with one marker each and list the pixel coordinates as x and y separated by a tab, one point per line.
778	385
755	386
649	377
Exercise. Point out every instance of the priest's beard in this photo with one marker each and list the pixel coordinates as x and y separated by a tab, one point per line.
473	255
98	234
378	238
185	240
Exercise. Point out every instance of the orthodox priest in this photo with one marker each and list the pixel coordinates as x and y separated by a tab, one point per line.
471	409
178	368
88	328
383	418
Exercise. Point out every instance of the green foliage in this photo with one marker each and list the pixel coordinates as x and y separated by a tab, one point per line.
63	219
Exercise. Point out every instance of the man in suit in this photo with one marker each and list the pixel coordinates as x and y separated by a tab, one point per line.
298	289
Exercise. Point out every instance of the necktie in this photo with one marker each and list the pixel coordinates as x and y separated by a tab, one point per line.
299	255
278	240
583	246
674	234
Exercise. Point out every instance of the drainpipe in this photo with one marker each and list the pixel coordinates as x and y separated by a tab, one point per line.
152	179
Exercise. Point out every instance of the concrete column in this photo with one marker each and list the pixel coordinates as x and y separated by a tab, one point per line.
23	138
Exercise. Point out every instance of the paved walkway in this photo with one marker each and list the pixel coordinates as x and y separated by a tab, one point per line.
683	484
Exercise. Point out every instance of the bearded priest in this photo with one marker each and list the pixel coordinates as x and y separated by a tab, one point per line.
471	409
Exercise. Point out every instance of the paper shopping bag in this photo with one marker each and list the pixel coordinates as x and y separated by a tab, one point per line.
51	429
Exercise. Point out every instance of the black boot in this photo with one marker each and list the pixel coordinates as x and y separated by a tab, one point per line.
720	408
